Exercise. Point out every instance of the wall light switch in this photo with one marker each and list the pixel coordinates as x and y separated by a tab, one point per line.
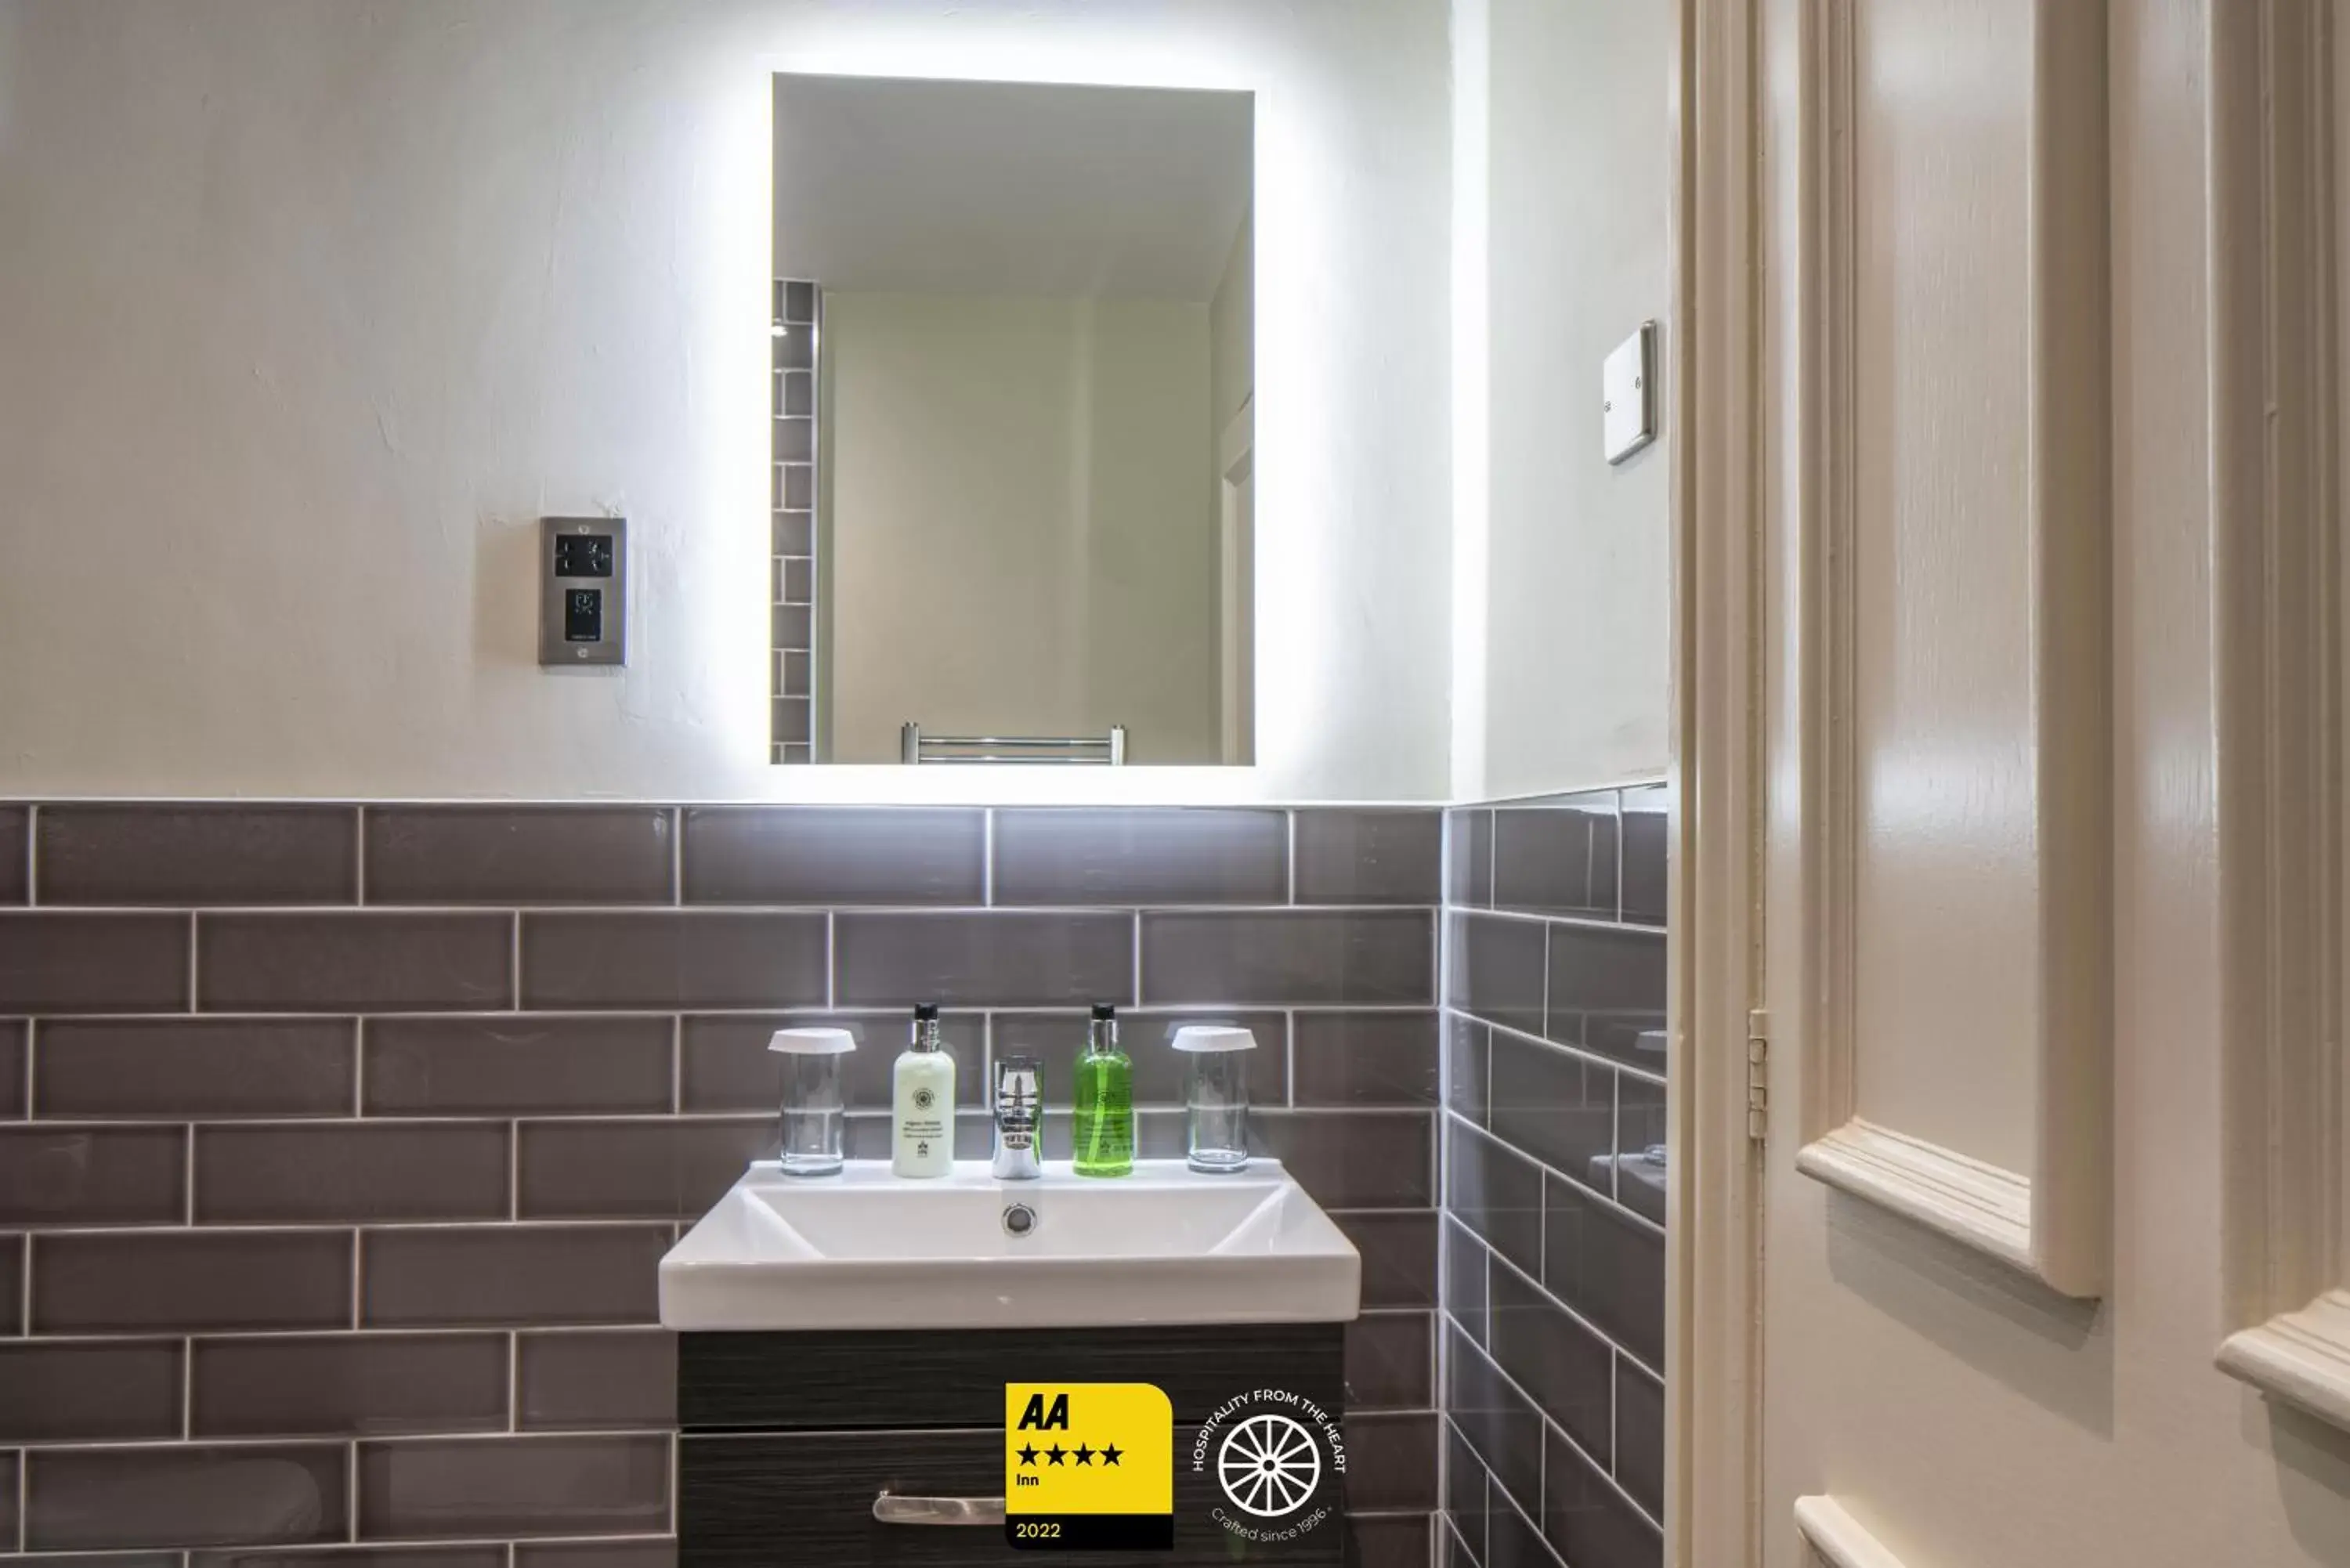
1627	394
583	596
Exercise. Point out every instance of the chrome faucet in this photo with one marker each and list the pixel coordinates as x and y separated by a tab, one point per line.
1019	1118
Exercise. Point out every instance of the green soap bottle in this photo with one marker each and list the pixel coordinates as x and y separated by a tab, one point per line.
1104	1118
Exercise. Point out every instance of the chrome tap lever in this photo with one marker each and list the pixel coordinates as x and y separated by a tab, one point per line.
1019	1119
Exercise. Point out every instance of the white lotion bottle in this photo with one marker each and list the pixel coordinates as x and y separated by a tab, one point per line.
921	1103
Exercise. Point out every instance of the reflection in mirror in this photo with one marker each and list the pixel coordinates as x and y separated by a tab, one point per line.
1013	492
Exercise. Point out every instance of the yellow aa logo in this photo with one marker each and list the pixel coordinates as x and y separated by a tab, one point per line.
1089	1466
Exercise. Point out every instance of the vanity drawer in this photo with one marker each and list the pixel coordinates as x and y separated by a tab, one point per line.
899	1379
805	1500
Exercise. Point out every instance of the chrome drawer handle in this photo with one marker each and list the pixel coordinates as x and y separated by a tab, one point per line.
891	1508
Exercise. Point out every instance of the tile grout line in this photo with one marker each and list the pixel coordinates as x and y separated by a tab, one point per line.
831	961
1615	1409
1419	1110
1619	857
676	815
582	1013
1581	1185
1552	1552
514	962
635	1430
1569	1438
1581	922
1583	1053
358	1279
1493	1253
351	1491
1289	1056
286	914
359	858
987	857
1616	1137
1289	872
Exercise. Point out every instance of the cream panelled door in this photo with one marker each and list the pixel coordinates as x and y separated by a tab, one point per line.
1940	981
2050	734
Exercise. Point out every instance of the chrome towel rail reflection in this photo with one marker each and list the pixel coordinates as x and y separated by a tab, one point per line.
1102	751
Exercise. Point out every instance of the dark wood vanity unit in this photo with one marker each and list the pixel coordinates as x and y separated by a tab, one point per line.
788	1438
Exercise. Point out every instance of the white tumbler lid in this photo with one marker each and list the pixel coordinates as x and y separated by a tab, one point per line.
1213	1037
812	1042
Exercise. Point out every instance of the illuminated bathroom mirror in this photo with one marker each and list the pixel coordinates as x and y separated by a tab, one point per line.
1014	449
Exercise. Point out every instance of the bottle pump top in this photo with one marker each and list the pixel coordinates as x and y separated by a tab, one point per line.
926	1026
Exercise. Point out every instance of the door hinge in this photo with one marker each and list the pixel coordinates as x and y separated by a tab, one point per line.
1758	1075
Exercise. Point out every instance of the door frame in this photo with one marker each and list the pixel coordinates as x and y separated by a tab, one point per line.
1715	928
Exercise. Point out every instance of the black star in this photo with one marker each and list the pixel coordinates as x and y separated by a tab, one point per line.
1085	1455
1028	1455
1110	1453
1055	1454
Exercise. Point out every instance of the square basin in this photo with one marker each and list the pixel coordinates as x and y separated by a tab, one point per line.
866	1249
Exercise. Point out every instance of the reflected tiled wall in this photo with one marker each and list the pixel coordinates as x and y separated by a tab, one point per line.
339	1144
798	312
1552	1238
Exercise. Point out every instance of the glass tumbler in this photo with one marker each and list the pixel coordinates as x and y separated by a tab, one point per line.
1215	1096
811	1111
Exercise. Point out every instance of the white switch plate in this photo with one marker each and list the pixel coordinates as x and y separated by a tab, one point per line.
1627	394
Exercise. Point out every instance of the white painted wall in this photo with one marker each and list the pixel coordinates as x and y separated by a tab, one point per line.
1563	186
1021	532
1231	325
309	312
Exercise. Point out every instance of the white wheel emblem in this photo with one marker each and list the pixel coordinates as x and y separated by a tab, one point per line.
1268	1466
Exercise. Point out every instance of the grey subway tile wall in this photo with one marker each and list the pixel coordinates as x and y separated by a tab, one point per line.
192	1280
209	1068
354	963
336	1383
533	854
193	1494
976	959
638	961
519	1065
1552	1271
197	855
83	962
15	853
340	1145
854	855
1370	856
797	310
14	1046
1093	856
1301	958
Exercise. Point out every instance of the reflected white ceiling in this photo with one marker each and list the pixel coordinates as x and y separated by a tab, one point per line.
1019	188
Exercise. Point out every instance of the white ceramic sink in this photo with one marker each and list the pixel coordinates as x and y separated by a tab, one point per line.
868	1250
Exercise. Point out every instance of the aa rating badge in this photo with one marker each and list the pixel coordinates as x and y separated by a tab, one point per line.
1088	1466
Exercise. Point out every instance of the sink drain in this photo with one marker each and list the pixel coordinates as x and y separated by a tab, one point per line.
1019	1220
